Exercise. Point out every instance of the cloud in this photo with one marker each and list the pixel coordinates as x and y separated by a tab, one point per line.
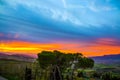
64	3
89	26
57	13
108	41
49	19
93	6
74	13
65	16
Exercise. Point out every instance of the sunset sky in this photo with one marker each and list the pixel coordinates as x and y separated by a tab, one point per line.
91	27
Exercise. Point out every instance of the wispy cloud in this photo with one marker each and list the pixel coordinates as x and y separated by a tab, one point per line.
94	14
108	41
92	25
100	8
64	3
65	16
57	13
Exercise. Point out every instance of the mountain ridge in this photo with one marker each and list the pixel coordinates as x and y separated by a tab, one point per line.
107	59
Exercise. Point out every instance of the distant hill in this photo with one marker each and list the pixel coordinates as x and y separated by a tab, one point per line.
19	57
3	54
107	59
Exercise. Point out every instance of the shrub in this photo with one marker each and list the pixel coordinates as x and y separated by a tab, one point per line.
96	75
110	76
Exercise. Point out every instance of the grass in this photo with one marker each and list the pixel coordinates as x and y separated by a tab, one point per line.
12	69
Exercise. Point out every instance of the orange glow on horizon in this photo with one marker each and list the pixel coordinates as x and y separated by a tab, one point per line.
34	48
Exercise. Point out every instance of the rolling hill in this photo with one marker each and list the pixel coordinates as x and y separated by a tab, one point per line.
19	57
107	59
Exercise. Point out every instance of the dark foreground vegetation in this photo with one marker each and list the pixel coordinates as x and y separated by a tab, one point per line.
55	65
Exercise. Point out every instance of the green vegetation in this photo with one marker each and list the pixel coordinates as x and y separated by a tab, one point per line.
110	76
56	65
12	69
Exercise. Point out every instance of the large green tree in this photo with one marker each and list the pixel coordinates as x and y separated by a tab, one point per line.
58	61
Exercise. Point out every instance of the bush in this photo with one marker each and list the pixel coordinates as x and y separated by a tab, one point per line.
115	77
96	75
110	76
107	76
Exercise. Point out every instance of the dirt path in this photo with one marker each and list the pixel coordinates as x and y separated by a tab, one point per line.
1	78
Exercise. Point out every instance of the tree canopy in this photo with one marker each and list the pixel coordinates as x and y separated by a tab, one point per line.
47	58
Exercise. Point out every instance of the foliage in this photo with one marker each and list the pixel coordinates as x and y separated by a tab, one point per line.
110	76
96	75
47	58
80	74
59	61
13	70
85	63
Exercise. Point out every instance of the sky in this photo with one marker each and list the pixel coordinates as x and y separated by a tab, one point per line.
91	27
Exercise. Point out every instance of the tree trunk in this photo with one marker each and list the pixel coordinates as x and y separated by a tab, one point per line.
55	73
